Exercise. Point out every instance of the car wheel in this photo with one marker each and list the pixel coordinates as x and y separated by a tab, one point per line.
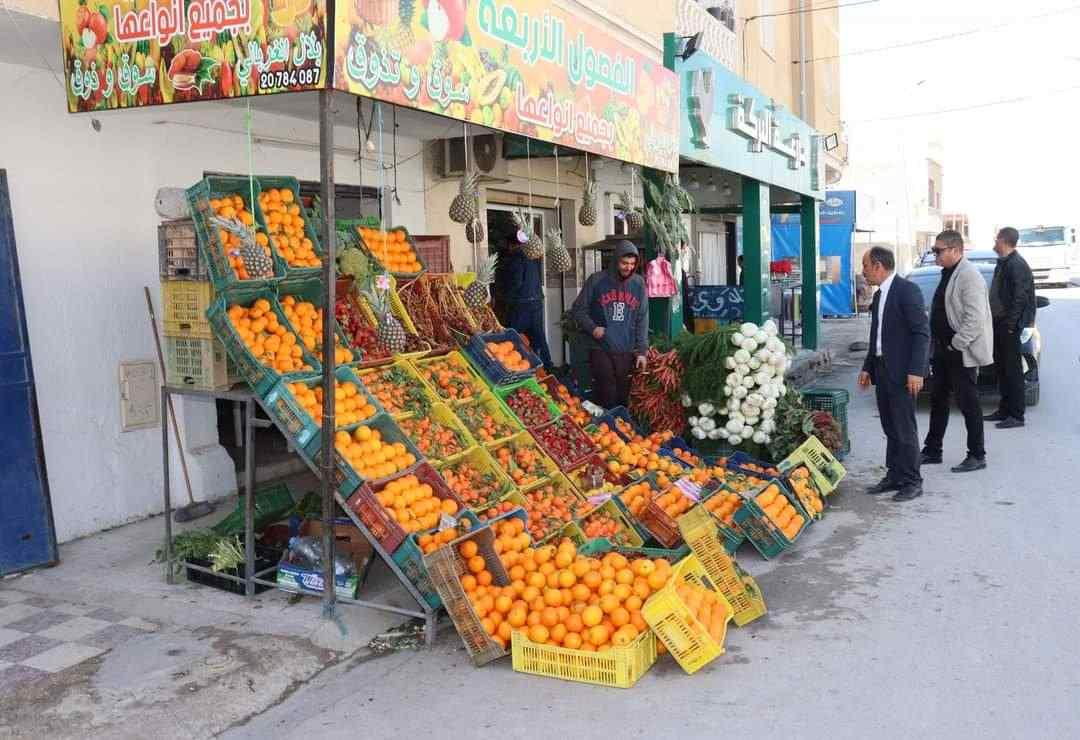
1031	394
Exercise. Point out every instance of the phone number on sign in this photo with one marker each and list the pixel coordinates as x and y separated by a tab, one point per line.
290	77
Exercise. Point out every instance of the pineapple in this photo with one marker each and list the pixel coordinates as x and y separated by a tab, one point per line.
587	213
557	253
477	294
534	245
635	222
463	207
257	262
390	333
474	231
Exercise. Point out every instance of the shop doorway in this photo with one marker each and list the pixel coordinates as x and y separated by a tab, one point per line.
502	232
27	535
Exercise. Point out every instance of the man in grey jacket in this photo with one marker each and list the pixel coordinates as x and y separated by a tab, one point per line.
962	332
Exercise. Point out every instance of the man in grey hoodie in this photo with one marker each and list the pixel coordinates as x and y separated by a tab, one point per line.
613	309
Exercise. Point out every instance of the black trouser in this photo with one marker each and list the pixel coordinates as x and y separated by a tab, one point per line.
1010	371
527	318
610	377
950	376
896	407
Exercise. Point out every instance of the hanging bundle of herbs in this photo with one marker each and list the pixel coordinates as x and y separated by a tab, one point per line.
664	215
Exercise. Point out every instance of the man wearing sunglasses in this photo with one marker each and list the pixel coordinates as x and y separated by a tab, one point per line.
962	333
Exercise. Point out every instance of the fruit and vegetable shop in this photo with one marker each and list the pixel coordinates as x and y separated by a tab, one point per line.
335	208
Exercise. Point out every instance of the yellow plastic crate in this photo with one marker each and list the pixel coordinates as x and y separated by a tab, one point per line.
685	637
701	534
183	308
618	667
824	467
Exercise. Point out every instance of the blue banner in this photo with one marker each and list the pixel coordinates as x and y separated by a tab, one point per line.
837	218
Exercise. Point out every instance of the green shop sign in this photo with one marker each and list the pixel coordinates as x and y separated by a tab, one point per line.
729	124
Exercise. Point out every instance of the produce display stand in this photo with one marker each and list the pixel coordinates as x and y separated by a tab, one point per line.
252	578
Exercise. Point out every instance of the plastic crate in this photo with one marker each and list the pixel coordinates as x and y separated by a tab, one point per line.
179	257
477	353
198	363
267	182
740	462
184	304
295	421
260	377
835	401
199	196
626	536
617	667
825	468
423	368
434	251
410	559
660	525
411	379
372	251
479	459
445	570
686	638
762	532
378	520
813	483
565	422
601	545
733	536
564	489
345	475
523	439
494	408
678	443
265	558
310	290
505	391
441	414
702	535
622	414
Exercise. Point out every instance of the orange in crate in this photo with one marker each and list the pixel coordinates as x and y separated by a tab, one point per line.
270	341
307	320
350	405
370	456
229	207
285	224
392	249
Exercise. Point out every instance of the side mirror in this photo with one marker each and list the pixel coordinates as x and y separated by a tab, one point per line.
1041	301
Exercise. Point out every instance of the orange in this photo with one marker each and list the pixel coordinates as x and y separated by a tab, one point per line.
549	617
620	617
536	579
642	567
476	563
609	603
503	604
622	592
592	580
533	618
633	603
539	633
592	616
657	579
553	597
503	630
566	579
468	583
488	626
558	633
607	587
572	640
598	635
483	578
537	605
580	568
624	576
580	592
530	594
517	573
574	623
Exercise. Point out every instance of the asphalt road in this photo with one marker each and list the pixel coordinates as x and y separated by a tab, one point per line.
951	616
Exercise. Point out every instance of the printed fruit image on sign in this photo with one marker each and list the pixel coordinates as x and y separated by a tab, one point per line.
523	66
129	53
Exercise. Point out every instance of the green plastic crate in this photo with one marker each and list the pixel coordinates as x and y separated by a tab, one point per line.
503	392
835	401
266	182
602	545
295	421
763	534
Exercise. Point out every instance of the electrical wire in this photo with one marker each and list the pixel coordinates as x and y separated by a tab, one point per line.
945	37
975	106
804	11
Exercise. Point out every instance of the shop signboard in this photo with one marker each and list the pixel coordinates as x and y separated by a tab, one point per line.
133	53
528	67
732	125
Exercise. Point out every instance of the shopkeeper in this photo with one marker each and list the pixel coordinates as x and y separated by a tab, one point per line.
523	291
613	309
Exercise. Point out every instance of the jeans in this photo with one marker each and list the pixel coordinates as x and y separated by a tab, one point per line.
951	377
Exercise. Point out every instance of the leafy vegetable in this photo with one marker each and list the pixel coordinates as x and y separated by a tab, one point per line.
226	555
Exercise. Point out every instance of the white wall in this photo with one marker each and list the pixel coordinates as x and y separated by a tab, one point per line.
85	228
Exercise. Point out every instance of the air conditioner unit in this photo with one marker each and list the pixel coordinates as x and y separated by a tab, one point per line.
484	157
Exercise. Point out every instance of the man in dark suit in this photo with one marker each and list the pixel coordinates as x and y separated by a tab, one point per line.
896	364
1012	304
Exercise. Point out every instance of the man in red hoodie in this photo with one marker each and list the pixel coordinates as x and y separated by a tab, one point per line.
613	309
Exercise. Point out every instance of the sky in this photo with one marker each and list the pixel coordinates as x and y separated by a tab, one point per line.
1013	164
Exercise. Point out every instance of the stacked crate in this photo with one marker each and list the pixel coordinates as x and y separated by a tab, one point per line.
193	357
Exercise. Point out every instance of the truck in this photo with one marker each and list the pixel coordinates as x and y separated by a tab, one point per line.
1051	252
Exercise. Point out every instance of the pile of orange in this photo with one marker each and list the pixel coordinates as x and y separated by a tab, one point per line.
285	224
602	524
723	506
370	455
450	379
776	506
483	424
432	541
307	320
506	354
640	456
637	496
550	507
351	406
522	462
413	504
392	249
804	488
476	487
232	206
558	597
270	341
570	404
707	607
674	502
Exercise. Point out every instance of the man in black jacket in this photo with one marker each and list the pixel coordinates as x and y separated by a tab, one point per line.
1012	304
896	364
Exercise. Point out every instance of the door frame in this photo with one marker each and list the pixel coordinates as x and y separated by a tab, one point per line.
7	232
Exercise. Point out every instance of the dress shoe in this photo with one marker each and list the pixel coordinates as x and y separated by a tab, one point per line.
970	463
908	492
883	486
1010	423
929	458
996	416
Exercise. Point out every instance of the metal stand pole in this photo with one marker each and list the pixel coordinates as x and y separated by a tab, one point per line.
329	237
249	498
165	469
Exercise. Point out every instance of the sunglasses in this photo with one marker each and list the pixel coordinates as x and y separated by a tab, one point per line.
937	251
